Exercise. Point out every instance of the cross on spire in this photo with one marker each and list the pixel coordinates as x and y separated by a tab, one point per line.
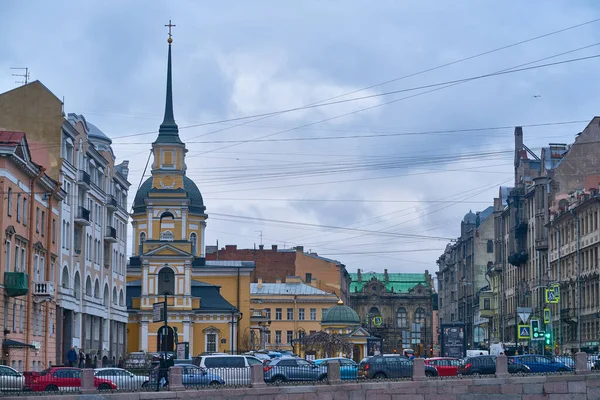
170	40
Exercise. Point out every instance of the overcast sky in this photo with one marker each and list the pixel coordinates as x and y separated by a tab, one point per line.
241	58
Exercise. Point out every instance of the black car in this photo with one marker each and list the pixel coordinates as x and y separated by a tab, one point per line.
392	366
486	365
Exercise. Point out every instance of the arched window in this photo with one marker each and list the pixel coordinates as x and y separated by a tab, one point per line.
88	286
97	289
77	286
121	298
106	301
194	240
167	220
402	318
419	315
490	246
374	311
115	296
65	278
166	281
142	240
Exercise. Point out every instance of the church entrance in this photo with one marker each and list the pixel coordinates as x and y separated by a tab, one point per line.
356	354
169	338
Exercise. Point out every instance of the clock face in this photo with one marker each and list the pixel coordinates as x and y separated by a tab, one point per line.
167	182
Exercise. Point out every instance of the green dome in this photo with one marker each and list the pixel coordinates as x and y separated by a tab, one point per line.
341	315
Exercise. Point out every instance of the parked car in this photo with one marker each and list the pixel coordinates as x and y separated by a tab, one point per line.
55	379
538	363
445	366
10	379
486	365
123	379
235	370
348	368
192	375
380	367
284	369
568	361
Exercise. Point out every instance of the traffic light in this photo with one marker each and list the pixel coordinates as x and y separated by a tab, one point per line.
548	338
535	329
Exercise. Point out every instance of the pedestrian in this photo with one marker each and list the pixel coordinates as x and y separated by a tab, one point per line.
72	356
81	359
121	362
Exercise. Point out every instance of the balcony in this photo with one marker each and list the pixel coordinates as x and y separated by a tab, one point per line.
83	216
521	227
518	258
15	284
111	202
541	244
83	180
569	315
43	291
110	235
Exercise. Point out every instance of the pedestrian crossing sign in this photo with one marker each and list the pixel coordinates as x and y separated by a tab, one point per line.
547	316
553	294
524	331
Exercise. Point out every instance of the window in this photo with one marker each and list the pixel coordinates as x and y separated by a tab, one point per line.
267	336
8	249
14	317
37	219
24	211
18	207
194	240
290	314
211	342
277	337
166	281
9	208
290	336
167	235
43	223
402	322
313	314
23	258
301	314
53	230
65	278
374	311
268	313
278	314
490	246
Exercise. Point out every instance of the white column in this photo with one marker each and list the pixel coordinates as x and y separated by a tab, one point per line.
235	334
184	235
202	239
188	278
149	223
191	338
145	278
144	336
186	331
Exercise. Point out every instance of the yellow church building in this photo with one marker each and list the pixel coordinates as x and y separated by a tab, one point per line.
206	300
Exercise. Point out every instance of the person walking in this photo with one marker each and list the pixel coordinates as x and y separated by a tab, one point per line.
81	359
72	356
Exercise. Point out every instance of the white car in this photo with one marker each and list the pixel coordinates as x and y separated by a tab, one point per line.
10	379
124	379
234	370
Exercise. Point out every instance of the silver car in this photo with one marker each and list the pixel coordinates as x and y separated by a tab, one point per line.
10	379
124	379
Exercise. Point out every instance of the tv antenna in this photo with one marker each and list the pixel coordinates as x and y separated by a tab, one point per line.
25	76
261	237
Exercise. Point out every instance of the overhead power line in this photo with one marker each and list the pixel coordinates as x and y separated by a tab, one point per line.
259	117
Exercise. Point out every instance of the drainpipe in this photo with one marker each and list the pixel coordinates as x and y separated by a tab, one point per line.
502	277
559	241
48	269
237	344
30	266
578	282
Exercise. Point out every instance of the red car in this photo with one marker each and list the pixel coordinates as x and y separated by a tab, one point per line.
445	366
64	379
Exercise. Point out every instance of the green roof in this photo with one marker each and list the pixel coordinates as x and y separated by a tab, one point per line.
399	283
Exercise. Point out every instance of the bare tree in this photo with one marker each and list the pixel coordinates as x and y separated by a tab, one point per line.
329	344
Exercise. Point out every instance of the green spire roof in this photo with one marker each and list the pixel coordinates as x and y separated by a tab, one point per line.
169	132
399	283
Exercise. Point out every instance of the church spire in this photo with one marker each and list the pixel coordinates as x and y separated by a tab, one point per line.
169	132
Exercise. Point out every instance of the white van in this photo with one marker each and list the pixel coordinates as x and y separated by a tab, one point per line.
234	370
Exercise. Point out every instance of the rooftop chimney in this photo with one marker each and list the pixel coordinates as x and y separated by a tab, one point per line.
261	247
274	247
231	247
359	276
300	249
260	282
277	280
386	277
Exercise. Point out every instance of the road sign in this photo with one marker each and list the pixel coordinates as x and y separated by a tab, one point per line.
524	332
547	316
377	321
553	294
158	312
524	313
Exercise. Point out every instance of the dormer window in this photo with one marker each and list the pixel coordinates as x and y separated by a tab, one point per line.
167	159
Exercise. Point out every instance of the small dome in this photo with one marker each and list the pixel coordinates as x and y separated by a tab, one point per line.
341	315
470	218
95	133
196	202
